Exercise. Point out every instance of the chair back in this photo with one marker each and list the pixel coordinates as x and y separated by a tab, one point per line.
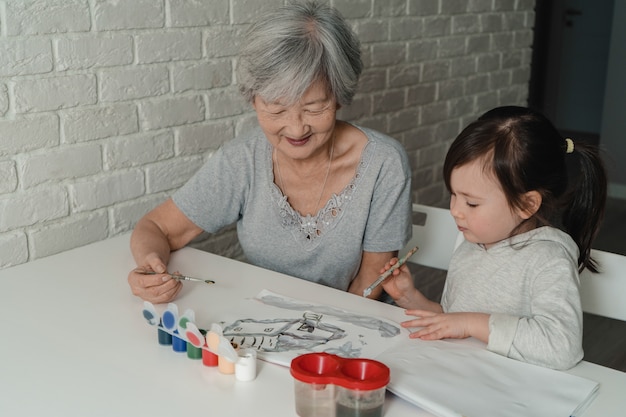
603	294
436	234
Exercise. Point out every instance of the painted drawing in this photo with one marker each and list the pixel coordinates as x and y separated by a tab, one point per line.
279	335
280	328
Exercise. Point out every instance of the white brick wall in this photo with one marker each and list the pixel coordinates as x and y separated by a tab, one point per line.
108	106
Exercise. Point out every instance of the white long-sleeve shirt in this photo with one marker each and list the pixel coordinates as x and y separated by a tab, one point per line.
529	285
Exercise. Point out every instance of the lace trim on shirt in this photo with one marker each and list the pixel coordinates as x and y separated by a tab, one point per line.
309	229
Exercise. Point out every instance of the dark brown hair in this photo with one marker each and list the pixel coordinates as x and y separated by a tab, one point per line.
525	152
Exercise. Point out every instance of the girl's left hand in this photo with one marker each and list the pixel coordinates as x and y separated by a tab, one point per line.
435	326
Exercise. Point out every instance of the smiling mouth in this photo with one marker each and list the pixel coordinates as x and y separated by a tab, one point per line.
298	142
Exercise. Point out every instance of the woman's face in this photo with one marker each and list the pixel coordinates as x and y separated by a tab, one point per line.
299	130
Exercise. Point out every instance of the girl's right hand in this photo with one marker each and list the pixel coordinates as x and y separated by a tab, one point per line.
399	285
401	288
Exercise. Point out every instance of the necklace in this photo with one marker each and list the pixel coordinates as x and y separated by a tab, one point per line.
280	175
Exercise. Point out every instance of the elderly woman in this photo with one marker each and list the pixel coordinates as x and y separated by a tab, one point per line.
313	197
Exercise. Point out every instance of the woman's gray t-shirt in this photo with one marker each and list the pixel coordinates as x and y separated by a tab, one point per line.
372	213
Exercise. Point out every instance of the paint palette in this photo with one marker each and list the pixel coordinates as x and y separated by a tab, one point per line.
181	332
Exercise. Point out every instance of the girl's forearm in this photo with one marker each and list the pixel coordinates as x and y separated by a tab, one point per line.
478	326
415	300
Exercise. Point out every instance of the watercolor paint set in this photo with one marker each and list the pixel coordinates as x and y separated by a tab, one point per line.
181	332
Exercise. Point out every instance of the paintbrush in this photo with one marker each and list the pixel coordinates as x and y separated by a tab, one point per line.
381	278
178	277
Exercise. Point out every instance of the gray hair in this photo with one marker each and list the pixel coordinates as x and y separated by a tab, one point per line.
289	49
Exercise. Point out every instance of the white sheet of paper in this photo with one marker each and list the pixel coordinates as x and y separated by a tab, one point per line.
452	380
445	378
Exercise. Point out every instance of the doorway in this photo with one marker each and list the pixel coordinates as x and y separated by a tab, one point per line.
570	58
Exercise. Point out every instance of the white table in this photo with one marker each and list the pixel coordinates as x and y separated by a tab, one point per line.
75	342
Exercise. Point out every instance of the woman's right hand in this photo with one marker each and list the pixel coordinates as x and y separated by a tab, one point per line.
156	288
156	235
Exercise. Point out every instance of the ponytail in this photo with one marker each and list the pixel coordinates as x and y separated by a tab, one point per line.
585	202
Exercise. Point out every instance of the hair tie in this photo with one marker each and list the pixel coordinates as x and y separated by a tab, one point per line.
570	145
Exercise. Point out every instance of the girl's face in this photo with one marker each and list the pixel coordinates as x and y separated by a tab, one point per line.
479	206
300	130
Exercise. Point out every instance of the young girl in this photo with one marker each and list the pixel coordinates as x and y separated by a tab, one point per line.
513	282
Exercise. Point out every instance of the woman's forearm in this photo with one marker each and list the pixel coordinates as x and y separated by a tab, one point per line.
161	231
147	240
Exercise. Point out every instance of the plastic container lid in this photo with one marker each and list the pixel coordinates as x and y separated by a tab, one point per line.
350	373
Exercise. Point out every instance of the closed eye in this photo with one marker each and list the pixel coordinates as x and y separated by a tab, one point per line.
317	109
